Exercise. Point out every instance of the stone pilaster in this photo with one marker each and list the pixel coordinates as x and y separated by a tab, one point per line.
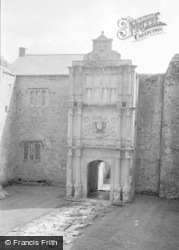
133	88
117	184
78	185
69	185
70	122
126	187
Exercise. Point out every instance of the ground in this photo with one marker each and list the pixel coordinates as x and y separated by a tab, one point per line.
148	223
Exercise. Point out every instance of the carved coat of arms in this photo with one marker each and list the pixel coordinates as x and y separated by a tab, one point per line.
99	127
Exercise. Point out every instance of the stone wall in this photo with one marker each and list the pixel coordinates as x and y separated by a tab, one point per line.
149	117
169	180
7	122
43	121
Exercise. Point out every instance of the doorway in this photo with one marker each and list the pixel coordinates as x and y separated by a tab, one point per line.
98	181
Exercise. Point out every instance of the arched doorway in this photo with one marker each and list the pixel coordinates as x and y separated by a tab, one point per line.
98	180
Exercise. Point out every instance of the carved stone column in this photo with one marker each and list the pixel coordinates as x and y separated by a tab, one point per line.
78	185
70	121
129	127
126	188
117	173
79	115
132	86
69	185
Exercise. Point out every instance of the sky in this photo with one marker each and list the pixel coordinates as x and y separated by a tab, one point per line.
68	26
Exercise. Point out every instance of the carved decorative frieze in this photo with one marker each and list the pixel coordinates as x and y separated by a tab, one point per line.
78	192
126	194
69	191
101	144
117	195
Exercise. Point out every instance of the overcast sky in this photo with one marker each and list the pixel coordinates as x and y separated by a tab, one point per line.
68	26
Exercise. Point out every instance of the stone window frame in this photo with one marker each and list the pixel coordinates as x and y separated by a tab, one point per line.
41	91
31	151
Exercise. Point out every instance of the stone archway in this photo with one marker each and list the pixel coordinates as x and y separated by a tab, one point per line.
98	179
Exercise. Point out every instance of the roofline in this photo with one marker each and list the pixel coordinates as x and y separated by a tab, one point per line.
54	54
42	75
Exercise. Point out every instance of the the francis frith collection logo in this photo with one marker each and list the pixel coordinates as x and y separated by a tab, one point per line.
139	28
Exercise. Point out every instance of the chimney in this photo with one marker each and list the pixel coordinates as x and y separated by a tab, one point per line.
22	52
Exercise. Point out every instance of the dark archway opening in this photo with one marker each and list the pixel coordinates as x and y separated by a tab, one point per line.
98	183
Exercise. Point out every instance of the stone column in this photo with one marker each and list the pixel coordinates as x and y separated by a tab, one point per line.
70	122
78	185
79	114
129	127
132	86
126	187
117	173
69	185
119	88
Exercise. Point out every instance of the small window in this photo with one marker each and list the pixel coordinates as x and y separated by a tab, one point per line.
32	151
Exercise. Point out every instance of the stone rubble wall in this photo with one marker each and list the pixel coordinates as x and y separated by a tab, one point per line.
169	180
47	124
7	125
149	115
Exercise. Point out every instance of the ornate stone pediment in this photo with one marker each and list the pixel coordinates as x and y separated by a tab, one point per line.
102	50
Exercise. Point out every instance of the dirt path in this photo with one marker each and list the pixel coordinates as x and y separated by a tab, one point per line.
148	223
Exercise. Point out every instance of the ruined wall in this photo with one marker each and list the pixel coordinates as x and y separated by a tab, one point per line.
169	185
42	117
149	132
7	122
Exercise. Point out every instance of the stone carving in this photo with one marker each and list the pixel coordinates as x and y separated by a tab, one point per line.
110	144
78	192
69	191
98	144
101	144
117	195
125	194
99	126
102	55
